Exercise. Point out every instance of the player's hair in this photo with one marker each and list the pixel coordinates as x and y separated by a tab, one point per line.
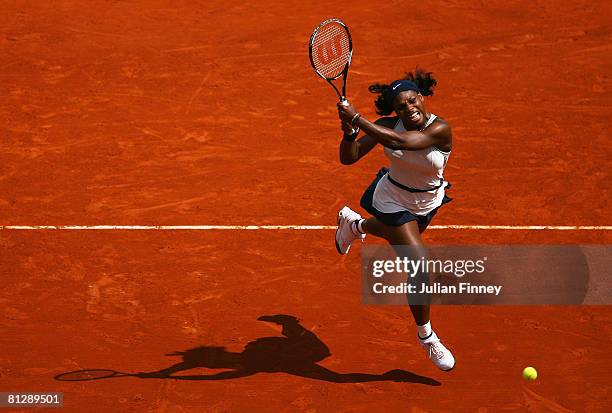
423	79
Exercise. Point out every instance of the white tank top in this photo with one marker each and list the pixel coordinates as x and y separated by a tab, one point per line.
420	169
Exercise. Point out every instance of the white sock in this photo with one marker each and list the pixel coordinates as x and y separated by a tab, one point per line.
360	227
424	331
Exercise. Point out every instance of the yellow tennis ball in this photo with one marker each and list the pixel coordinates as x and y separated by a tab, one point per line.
529	373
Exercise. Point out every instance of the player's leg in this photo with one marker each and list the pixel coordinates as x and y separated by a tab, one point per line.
376	228
408	235
352	226
407	242
349	221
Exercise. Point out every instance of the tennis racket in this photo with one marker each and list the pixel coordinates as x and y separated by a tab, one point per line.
330	51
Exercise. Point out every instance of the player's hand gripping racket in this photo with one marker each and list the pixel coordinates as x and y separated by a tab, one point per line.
330	50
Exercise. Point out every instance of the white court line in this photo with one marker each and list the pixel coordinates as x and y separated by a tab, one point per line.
295	227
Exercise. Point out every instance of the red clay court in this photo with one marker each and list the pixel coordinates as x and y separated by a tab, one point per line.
208	113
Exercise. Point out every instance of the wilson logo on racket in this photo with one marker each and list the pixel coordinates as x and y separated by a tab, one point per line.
330	50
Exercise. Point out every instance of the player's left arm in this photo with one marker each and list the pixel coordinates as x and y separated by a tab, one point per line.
438	134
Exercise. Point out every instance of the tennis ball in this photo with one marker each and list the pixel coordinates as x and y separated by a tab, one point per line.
529	373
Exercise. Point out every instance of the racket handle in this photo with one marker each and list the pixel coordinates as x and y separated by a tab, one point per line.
344	102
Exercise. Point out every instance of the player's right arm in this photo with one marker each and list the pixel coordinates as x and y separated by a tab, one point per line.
352	151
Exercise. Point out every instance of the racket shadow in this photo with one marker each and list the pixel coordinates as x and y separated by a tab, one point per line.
90	374
297	353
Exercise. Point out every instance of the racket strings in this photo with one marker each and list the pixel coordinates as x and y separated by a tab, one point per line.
331	49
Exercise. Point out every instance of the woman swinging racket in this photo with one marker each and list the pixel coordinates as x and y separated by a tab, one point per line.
403	198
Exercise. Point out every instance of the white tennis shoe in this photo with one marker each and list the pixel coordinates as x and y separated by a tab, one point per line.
438	354
347	230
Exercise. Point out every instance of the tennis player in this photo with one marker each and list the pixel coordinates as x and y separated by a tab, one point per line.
404	197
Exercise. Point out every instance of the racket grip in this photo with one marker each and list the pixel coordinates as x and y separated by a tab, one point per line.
354	131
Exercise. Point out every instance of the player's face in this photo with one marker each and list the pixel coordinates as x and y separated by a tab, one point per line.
410	108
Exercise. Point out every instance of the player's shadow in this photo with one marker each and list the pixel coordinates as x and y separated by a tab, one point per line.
297	353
